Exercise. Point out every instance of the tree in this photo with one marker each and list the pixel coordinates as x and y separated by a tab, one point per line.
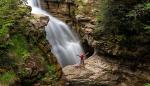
123	28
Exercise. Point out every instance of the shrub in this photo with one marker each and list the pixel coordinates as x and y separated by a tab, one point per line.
20	46
52	72
147	84
7	78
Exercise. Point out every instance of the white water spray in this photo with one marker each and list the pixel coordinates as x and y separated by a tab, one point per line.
65	46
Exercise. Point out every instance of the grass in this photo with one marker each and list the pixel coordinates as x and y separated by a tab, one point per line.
7	78
20	46
3	31
147	84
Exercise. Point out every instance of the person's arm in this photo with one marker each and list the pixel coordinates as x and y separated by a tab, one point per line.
87	53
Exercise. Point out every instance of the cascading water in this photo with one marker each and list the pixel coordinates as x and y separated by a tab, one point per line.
65	46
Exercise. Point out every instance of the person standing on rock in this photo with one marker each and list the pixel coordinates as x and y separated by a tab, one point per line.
82	58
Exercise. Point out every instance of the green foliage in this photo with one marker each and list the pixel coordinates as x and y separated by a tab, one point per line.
3	31
147	84
102	10
52	72
23	72
20	46
6	10
82	7
120	20
7	78
147	27
10	12
147	5
123	25
50	76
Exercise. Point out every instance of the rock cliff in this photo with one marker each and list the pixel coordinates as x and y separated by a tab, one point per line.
26	57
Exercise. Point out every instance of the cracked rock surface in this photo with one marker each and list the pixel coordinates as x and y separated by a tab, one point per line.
100	71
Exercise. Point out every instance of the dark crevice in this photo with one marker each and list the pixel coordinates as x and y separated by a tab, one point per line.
88	49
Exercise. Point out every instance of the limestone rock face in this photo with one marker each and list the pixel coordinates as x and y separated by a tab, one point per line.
86	23
39	20
99	71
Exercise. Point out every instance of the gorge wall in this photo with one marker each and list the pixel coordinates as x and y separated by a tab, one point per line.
74	14
114	30
114	33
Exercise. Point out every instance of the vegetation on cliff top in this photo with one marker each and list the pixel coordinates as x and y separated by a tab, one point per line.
123	28
11	12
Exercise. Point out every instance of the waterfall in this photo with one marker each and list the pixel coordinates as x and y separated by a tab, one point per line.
65	46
